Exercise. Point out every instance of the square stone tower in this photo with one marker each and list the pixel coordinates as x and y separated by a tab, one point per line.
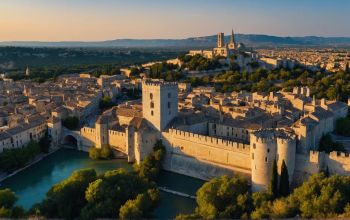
221	40
159	102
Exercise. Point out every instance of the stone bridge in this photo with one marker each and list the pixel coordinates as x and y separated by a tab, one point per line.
71	139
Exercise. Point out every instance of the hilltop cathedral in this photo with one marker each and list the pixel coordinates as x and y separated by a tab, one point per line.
222	49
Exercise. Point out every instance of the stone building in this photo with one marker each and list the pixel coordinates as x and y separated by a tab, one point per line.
204	139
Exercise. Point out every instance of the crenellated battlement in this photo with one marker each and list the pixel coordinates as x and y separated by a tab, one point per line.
159	83
213	141
270	135
88	130
339	155
262	136
116	133
316	156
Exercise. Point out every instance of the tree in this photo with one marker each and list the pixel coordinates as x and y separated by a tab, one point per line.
273	187
7	205
139	207
343	126
326	172
11	159
284	181
94	153
105	103
67	198
106	152
327	145
7	198
71	123
224	197
262	204
103	153
108	193
346	211
152	164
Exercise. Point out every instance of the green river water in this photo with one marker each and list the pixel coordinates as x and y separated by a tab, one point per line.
31	184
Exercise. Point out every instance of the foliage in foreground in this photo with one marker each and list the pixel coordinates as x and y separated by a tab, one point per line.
7	205
116	193
319	197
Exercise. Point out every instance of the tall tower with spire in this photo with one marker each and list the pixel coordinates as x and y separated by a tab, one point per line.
232	44
27	71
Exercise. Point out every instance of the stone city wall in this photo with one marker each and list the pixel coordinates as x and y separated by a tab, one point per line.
208	150
117	140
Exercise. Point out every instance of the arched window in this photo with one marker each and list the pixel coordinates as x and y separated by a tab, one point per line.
151	96
152	113
152	105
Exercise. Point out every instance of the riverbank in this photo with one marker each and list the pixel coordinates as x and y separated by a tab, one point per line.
32	184
38	158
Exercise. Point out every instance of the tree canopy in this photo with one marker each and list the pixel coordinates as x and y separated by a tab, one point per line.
319	197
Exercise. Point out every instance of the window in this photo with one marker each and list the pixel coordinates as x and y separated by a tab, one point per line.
152	105
266	159
151	96
169	95
152	113
268	150
254	146
252	156
169	104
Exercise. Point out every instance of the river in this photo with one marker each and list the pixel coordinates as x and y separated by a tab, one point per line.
31	184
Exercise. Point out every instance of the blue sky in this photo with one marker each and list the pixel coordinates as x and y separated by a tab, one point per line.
56	20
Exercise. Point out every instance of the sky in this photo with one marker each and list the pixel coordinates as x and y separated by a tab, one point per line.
96	20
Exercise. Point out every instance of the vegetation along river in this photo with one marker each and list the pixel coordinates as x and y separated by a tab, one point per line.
31	184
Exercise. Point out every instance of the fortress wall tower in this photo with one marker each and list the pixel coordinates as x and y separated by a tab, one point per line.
159	102
263	148
101	131
286	150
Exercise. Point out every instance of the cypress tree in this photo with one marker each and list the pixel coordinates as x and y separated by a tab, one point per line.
273	187
284	181
326	173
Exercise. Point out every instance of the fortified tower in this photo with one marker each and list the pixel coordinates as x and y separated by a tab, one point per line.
101	127
263	148
159	102
286	150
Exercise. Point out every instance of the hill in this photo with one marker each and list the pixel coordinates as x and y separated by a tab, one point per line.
253	40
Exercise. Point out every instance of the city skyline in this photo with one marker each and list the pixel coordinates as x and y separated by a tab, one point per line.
105	20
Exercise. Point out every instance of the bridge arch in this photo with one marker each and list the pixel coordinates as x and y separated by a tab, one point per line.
70	141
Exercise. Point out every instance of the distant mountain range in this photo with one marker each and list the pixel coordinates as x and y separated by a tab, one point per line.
250	40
